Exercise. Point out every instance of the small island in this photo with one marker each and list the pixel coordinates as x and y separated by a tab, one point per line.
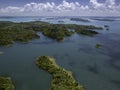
6	83
97	45
61	78
104	19
1	53
106	27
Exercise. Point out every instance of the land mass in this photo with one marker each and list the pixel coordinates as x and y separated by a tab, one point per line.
79	19
25	31
6	83
105	19
1	53
61	78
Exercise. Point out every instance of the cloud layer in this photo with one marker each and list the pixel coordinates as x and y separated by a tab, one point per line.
94	8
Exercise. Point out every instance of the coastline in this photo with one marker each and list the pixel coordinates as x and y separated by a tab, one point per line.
6	83
61	78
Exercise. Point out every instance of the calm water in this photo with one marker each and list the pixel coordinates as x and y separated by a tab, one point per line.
96	69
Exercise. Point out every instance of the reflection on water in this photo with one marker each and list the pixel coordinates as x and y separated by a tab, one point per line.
95	68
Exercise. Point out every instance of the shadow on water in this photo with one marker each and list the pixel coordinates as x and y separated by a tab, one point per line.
93	68
71	64
116	82
114	60
112	45
43	40
86	49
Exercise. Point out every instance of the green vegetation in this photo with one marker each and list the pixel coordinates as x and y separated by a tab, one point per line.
25	31
58	32
86	32
10	32
61	78
97	45
1	52
6	83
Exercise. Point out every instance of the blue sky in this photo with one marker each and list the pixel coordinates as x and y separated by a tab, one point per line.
4	3
22	2
59	7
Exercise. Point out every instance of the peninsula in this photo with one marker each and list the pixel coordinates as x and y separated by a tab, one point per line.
61	78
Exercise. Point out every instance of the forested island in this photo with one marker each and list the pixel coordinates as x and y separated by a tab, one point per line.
25	31
6	83
79	19
61	78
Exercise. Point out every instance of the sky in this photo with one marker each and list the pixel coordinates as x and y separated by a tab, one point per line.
59	7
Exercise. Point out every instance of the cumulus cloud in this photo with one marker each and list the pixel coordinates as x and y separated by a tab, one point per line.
68	6
10	9
35	7
110	2
64	8
95	4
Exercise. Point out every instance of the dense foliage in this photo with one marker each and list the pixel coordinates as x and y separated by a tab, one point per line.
10	32
6	84
79	19
25	31
61	78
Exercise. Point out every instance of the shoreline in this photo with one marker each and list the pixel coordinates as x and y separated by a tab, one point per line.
25	31
6	83
61	78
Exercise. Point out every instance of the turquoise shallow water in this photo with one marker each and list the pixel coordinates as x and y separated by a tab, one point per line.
96	69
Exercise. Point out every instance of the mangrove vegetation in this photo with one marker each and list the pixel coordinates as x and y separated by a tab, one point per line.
25	31
97	45
61	78
6	83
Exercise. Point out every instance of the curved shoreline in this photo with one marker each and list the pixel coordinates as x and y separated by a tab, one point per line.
61	78
25	31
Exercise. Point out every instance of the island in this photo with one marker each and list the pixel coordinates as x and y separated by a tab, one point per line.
6	83
106	27
61	78
104	19
1	53
79	19
98	45
26	31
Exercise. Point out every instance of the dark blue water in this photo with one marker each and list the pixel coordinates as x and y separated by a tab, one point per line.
96	69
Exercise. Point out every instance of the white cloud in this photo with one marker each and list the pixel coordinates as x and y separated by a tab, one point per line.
109	7
68	6
35	7
94	4
110	2
10	9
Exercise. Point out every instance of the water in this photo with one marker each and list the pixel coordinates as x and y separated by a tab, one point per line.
96	69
